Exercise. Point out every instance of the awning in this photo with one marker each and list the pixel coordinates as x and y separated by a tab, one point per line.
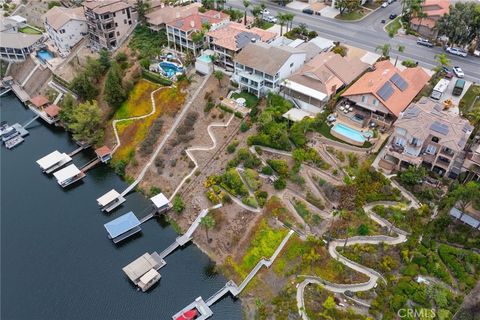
51	159
149	276
305	90
108	197
66	173
159	200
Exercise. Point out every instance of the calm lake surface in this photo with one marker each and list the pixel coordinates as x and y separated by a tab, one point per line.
56	259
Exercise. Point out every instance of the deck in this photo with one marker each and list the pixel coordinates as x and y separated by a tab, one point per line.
20	93
42	114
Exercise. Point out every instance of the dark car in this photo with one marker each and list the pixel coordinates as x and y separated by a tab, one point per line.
393	16
424	42
348	293
307	11
448	74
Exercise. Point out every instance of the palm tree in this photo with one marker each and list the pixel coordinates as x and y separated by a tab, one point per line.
400	49
219	76
442	60
281	21
289	19
246	4
256	11
385	49
213	58
420	15
208	223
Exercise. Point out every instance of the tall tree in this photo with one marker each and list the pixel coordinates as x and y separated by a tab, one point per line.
246	4
208	223
86	123
68	106
281	21
462	24
219	76
104	59
83	86
347	5
114	92
257	14
142	7
400	49
466	194
442	61
289	20
384	49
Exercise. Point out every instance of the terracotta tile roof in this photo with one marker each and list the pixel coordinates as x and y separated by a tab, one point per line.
426	118
329	71
167	14
106	6
434	9
57	17
264	57
52	110
103	151
373	83
39	101
216	14
195	21
235	36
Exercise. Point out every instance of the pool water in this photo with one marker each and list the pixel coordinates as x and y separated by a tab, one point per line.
205	58
44	55
348	132
170	69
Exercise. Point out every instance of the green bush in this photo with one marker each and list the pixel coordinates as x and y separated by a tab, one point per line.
267	170
280	184
178	204
155	78
280	166
250	201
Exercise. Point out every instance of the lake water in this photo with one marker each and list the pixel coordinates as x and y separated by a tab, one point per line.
56	259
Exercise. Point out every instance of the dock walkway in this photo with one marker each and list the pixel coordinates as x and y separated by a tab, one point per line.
20	93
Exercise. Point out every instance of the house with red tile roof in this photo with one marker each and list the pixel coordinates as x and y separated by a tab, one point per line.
181	32
157	18
433	10
228	40
380	95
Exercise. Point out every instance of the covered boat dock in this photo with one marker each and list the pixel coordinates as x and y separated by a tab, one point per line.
68	175
53	161
143	271
122	227
110	200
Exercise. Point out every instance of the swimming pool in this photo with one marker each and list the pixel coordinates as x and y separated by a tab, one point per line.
170	69
44	55
351	135
205	58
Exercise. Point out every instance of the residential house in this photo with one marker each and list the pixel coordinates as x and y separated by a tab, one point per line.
109	22
180	31
322	77
15	46
260	67
426	135
378	97
433	10
471	165
227	41
158	18
65	27
312	48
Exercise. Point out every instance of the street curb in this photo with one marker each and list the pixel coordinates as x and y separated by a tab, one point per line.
358	20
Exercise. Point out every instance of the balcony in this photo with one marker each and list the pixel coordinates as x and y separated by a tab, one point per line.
447	152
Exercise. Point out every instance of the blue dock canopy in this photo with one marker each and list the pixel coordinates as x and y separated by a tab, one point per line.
122	224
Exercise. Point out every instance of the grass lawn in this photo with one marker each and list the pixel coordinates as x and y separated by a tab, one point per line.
325	131
350	16
265	25
469	97
393	27
29	30
133	132
251	100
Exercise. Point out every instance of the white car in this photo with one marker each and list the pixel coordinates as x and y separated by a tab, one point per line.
458	72
264	12
457	51
271	19
385	4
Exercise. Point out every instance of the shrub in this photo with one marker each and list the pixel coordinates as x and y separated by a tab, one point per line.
244	127
280	184
280	166
250	201
154	191
178	204
156	78
267	170
262	197
409	63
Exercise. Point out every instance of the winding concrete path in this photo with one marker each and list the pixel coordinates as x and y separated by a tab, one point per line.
201	148
373	275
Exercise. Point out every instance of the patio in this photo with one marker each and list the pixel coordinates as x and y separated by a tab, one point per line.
359	117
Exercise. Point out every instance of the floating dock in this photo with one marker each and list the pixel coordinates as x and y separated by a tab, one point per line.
12	143
143	272
53	161
110	200
13	135
202	311
123	227
68	175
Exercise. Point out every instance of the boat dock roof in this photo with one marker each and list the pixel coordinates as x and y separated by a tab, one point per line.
122	225
108	197
140	266
159	200
66	173
52	159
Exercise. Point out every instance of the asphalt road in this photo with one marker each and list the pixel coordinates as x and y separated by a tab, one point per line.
368	34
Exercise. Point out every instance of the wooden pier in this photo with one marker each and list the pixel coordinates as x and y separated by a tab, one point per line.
89	165
74	152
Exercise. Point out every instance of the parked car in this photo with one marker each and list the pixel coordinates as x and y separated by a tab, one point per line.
264	12
271	19
307	11
447	72
458	72
385	4
457	51
383	21
348	293
424	42
393	16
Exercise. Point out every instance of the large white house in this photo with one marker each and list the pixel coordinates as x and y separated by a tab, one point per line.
260	67
65	27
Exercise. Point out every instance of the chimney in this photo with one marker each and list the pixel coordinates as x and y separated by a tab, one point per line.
253	40
192	23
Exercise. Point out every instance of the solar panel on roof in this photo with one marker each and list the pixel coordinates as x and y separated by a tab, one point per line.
385	91
399	82
439	127
411	112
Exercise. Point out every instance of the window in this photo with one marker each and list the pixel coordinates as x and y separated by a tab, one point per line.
364	99
375	102
431	149
124	21
400	141
116	24
123	11
435	139
415	142
291	65
118	34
